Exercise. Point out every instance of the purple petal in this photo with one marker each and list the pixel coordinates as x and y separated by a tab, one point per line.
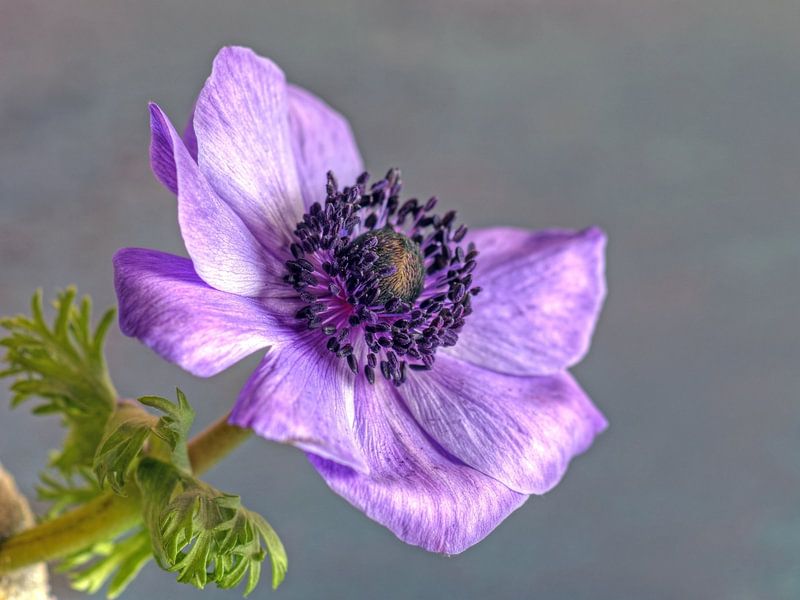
540	299
303	395
244	148
163	303
224	252
423	495
162	159
322	141
523	431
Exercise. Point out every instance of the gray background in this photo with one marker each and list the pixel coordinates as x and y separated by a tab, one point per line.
672	124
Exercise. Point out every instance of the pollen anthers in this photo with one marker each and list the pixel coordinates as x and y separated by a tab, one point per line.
385	283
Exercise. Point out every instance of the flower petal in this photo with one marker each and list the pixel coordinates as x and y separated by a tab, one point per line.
303	395
322	141
163	303
224	252
540	299
423	495
162	154
244	148
189	137
522	431
162	160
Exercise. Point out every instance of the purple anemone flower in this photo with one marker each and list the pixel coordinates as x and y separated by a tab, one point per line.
422	367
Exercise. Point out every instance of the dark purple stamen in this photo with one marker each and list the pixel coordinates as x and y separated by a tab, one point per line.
380	278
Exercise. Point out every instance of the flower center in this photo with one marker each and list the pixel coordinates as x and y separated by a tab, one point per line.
401	256
384	283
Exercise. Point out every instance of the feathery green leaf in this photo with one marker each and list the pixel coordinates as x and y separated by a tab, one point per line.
130	427
203	534
64	367
116	563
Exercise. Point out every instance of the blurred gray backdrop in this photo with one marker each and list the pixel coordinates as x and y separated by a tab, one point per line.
673	124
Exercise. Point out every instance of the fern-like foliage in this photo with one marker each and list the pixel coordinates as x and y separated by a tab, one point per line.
203	534
191	528
63	492
114	563
197	531
62	365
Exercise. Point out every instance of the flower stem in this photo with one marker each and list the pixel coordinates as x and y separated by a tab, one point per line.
214	443
108	515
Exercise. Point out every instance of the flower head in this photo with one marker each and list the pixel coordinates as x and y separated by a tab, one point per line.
422	366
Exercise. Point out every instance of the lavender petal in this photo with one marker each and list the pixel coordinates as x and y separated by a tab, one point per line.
540	299
244	147
322	141
303	395
422	494
165	304
523	431
224	252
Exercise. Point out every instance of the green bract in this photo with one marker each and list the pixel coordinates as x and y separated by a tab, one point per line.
130	427
203	534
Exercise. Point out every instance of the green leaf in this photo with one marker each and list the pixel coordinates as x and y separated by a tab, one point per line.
203	534
173	427
277	553
130	428
113	563
63	366
63	492
125	434
60	368
157	481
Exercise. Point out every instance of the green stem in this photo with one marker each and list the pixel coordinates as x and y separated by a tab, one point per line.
214	443
108	515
